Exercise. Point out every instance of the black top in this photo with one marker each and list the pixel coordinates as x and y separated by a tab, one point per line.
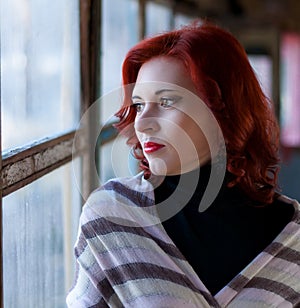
221	241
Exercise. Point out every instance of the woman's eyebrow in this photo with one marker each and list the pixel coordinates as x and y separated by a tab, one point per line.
136	97
163	90
156	93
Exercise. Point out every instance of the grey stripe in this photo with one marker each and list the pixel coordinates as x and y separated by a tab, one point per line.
238	282
283	252
101	304
102	226
136	197
80	246
105	289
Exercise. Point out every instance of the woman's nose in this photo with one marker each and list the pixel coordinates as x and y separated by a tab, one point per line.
148	119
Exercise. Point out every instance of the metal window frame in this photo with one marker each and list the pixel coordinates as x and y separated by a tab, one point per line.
24	165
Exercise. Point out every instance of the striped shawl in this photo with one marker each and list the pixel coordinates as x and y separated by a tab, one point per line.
126	259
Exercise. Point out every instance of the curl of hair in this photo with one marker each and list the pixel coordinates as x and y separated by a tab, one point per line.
226	82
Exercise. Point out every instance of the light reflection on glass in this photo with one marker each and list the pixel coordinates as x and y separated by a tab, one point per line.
40	89
40	224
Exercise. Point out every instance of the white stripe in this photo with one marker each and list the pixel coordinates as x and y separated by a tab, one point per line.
149	290
111	259
281	274
290	236
120	240
83	294
258	298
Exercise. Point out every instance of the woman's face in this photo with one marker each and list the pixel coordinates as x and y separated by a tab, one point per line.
171	121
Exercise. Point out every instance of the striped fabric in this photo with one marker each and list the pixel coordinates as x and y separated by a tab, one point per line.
126	259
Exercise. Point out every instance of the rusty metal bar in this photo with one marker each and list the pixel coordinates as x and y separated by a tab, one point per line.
23	165
142	19
90	47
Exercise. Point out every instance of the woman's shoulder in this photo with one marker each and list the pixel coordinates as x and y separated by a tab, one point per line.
286	199
289	203
136	183
126	187
126	198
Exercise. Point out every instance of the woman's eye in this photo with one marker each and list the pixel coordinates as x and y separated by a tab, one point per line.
138	107
166	102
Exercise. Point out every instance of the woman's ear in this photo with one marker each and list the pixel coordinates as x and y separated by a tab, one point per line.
213	95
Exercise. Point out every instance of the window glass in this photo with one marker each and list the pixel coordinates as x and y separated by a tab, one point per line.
119	160
290	94
119	33
158	18
262	65
40	224
181	20
40	88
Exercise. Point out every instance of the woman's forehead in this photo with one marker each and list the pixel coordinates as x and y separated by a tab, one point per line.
167	70
157	88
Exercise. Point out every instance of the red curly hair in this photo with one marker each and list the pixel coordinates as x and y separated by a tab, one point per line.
226	82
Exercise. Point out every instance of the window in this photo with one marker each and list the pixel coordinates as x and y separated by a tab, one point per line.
40	109
39	69
39	228
181	20
158	18
262	65
119	32
290	94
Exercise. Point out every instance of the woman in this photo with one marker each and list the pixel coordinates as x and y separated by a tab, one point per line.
192	108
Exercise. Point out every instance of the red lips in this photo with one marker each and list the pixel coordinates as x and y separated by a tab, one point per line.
150	147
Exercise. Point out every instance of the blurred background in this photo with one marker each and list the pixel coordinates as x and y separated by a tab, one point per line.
58	58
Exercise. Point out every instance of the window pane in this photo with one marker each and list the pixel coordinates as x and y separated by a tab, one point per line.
181	20
290	93
158	18
119	33
116	164
39	227
39	68
262	65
